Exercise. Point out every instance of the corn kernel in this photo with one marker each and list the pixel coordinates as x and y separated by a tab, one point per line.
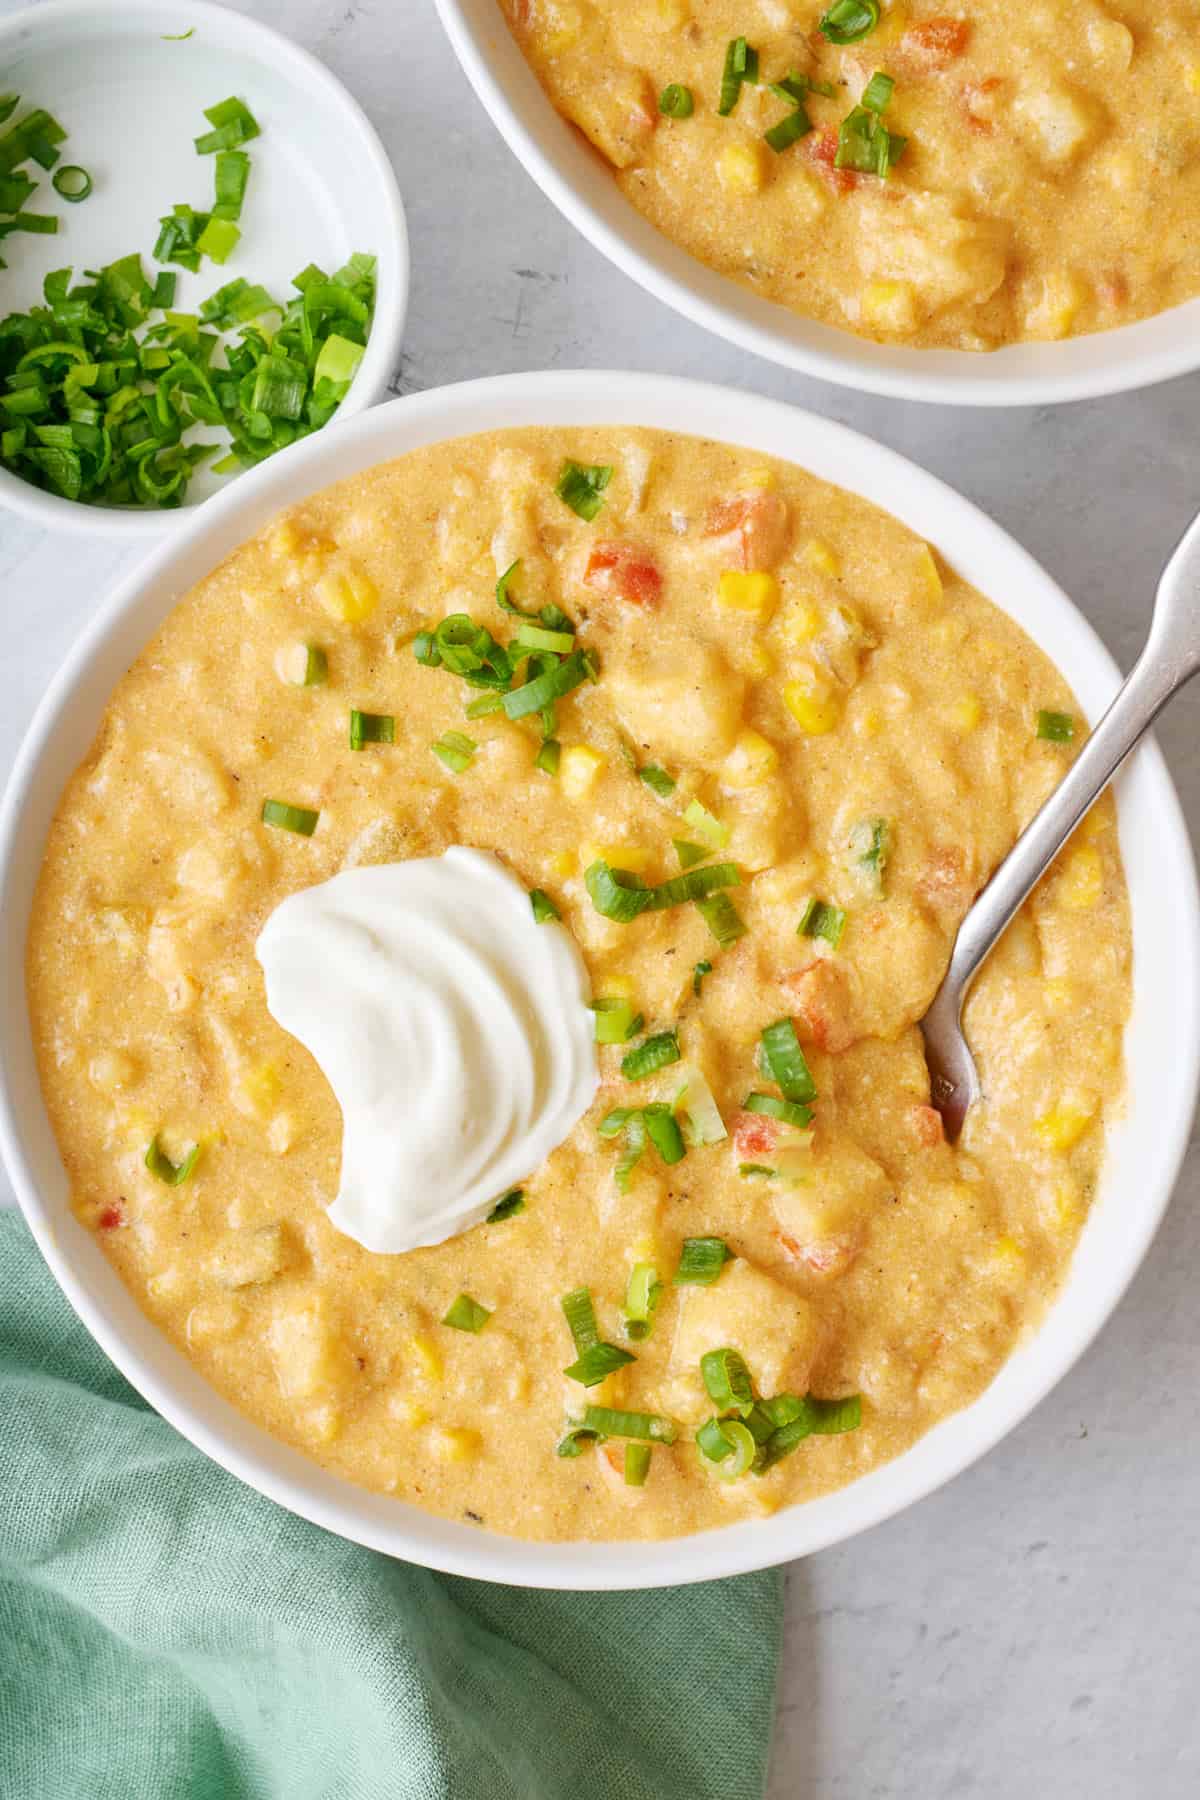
566	31
577	770
668	15
428	1360
618	987
812	703
752	761
740	168
802	621
633	858
349	595
891	306
1064	1124
1068	1203
757	481
563	864
455	1443
892	26
1059	994
1081	882
261	1088
1053	314
644	1249
1191	78
822	556
1006	1250
285	540
408	1412
929	580
755	592
966	713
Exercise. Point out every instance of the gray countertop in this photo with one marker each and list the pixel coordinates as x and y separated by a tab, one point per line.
1035	1627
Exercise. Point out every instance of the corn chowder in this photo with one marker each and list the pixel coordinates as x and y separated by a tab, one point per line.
963	177
749	745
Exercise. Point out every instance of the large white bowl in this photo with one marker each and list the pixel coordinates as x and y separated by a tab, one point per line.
131	93
1144	1152
574	177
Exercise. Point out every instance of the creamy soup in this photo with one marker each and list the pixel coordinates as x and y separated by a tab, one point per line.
1023	172
789	708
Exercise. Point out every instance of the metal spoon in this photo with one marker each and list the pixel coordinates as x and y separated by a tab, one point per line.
1171	657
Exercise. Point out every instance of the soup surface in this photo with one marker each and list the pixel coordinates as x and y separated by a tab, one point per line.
1048	182
786	681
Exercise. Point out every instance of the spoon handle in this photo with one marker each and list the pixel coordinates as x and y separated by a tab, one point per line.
1170	658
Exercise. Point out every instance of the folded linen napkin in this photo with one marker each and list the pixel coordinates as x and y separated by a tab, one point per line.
168	1634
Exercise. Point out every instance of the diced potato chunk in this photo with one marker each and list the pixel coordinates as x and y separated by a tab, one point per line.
690	710
1056	121
617	111
946	254
842	1187
311	1361
1061	295
776	1331
891	306
247	1258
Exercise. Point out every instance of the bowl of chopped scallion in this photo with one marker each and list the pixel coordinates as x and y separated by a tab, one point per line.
203	257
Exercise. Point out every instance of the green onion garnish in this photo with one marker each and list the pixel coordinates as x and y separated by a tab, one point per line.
616	893
792	1112
544	909
704	825
741	64
878	92
657	780
371	728
784	1061
689	854
581	486
820	919
727	1448
696	884
507	1208
300	819
596	1362
634	1127
657	1052
616	1021
304	665
549	756
723	919
466	1314
576	1439
864	141
662	1128
698	973
536	637
71	183
650	1428
160	1164
746	1170
1056	727
676	102
642	1295
848	20
233	124
797	1418
580	1315
637	1456
870	846
552	684
701	1261
727	1381
455	750
789	130
466	649
231	172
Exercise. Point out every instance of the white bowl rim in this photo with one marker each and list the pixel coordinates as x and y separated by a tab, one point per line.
1160	868
393	263
555	156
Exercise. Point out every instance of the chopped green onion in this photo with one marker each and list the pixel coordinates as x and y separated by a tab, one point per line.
616	893
502	595
642	1295
864	141
1056	727
870	846
300	819
701	1261
712	1443
597	1362
698	973
727	1381
160	1164
704	825
676	102
657	1052
736	1458
572	1444
233	124
466	1314
536	637
696	884
689	854
878	92
792	1112
616	1021
580	1315
337	361
425	649
745	1170
637	1463
650	1428
797	1418
8	106
371	728
551	685
178	37
41	224
455	750
702	1121
507	1208
614	1122
544	909
657	780
549	756
218	240
581	487
723	919
784	1060
848	20
662	1129
789	130
71	183
821	919
741	65
231	172
631	1155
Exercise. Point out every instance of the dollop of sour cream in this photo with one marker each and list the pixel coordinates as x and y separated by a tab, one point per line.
453	1029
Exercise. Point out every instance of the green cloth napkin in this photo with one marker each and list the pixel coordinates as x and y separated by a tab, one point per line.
166	1632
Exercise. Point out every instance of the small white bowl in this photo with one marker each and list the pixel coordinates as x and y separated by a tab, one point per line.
131	96
572	175
1162	1043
